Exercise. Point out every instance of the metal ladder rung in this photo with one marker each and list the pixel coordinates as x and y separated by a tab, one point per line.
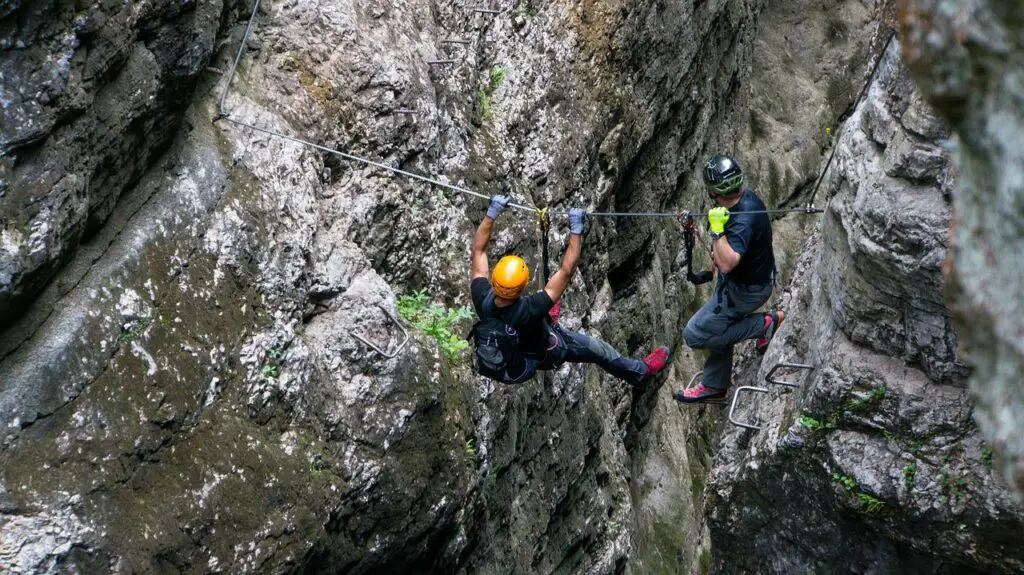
770	377
398	349
732	408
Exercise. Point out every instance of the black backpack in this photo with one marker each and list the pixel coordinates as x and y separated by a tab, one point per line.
497	351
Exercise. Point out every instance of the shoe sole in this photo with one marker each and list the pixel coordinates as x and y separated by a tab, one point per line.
717	398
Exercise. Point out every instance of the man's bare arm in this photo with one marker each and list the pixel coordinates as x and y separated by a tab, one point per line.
559	282
483	235
725	258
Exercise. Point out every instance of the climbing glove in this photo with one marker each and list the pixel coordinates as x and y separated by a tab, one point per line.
717	218
576	219
498	205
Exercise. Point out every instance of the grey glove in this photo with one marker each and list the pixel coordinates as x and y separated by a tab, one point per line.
576	220
498	205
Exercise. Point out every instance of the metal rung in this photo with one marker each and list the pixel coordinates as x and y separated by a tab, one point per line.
732	408
486	11
404	111
441	62
770	378
398	349
452	41
693	380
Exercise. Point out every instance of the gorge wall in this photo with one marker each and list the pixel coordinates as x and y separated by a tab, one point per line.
181	386
875	464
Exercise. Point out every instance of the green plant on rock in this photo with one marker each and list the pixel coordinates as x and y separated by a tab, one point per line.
870	503
810	423
613	528
470	449
485	105
497	76
909	474
131	331
874	397
952	485
436	321
986	456
272	363
845	480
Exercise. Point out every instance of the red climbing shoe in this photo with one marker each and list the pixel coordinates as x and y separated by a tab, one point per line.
555	311
699	393
656	361
772	321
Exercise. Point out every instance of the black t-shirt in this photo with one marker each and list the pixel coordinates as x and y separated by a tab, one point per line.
751	236
528	313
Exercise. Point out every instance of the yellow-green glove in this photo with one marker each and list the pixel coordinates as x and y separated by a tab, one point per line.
717	218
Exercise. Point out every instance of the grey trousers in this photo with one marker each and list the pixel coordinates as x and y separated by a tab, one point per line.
576	347
725	320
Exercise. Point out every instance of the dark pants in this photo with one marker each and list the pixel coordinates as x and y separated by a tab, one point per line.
576	347
725	320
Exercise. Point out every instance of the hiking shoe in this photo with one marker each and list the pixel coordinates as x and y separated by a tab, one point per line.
699	393
656	361
555	311
772	321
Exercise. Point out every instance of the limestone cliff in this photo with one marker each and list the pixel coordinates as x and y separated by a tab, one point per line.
184	303
874	464
969	59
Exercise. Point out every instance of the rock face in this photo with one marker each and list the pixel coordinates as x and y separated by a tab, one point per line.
969	59
182	388
189	394
874	464
90	96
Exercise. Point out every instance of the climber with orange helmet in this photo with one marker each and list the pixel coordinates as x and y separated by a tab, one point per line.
515	337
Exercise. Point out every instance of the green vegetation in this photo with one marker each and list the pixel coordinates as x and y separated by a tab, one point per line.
845	480
986	456
485	105
874	397
613	528
272	363
705	561
811	423
868	501
436	321
470	450
952	485
130	332
527	10
909	474
497	76
905	442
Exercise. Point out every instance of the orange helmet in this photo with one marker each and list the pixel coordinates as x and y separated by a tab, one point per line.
510	277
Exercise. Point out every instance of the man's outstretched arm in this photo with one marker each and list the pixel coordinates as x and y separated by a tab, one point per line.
480	267
559	282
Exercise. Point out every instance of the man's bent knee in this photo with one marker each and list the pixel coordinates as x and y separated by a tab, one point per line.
693	339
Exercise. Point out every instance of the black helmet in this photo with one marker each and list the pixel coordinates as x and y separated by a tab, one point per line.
723	175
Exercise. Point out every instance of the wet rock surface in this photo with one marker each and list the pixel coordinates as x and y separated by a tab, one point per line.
189	394
90	95
181	385
874	464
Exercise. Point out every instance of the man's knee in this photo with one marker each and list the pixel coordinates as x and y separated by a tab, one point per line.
692	337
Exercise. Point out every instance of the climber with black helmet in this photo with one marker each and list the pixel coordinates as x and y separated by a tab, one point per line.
742	253
515	336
